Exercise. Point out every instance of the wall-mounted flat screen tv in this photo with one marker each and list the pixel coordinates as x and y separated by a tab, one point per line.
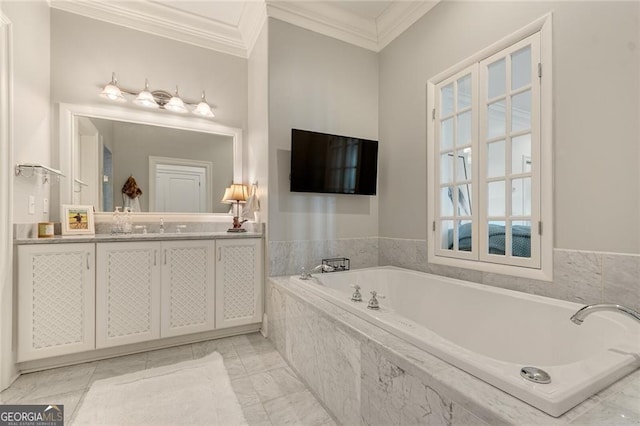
333	164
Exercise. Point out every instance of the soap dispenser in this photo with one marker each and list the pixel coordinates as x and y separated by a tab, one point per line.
116	223
127	225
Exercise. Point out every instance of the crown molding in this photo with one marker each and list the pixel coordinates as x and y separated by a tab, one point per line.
321	17
398	17
162	21
253	18
327	19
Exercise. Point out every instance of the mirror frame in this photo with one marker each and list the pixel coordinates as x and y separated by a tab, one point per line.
68	131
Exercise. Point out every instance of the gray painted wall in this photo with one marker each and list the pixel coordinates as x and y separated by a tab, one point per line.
321	84
596	91
31	108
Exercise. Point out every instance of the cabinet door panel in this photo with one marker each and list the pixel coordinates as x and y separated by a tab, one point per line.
188	287
238	282
128	293
55	300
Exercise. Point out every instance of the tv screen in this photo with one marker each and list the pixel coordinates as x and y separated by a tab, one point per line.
333	164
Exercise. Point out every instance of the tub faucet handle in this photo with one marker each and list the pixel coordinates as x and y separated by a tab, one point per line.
373	302
356	296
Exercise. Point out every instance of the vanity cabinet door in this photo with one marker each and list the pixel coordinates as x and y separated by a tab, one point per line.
127	293
238	282
188	287
56	285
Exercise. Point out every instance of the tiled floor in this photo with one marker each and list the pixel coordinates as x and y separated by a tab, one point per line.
267	389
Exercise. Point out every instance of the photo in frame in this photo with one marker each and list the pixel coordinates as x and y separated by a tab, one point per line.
77	220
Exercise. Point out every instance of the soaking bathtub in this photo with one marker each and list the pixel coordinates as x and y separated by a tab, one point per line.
493	333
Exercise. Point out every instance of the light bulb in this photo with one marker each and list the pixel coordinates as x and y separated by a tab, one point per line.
145	98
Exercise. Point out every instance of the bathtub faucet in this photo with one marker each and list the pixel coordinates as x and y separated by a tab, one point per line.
585	311
305	275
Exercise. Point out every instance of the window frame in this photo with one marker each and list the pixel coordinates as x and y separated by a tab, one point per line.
543	269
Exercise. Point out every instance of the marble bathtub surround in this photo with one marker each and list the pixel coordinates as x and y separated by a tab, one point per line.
579	276
365	375
288	257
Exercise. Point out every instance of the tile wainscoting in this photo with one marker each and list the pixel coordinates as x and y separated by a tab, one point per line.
365	376
579	276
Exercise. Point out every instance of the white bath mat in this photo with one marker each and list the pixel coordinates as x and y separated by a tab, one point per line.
189	393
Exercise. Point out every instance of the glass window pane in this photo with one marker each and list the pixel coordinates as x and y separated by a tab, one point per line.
521	239
521	197
521	111
464	92
446	168
447	100
496	242
446	134
464	129
496	119
497	78
521	68
446	201
521	154
463	165
465	237
446	234
495	159
496	198
464	200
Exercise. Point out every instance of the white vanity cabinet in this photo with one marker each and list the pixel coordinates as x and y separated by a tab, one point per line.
119	292
127	293
56	284
188	287
238	282
146	291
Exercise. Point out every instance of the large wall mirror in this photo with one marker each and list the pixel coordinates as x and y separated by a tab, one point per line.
180	164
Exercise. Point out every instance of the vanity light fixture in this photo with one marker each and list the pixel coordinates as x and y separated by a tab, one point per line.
111	91
203	109
157	99
237	193
176	104
145	98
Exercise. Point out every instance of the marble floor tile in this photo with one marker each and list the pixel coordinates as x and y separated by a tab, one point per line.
276	383
223	346
261	362
253	345
55	381
256	415
244	390
169	356
300	408
119	365
69	400
290	401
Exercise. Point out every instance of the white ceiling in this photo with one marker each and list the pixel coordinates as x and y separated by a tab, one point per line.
232	26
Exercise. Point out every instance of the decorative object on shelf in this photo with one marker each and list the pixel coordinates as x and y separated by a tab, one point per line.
157	99
45	230
337	264
237	193
252	205
131	194
77	220
29	169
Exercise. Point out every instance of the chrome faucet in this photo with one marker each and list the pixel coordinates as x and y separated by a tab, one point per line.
305	275
373	302
585	311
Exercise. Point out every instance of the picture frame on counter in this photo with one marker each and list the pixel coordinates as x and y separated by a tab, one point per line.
77	220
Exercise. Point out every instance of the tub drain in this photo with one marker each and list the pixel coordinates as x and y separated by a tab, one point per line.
535	375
